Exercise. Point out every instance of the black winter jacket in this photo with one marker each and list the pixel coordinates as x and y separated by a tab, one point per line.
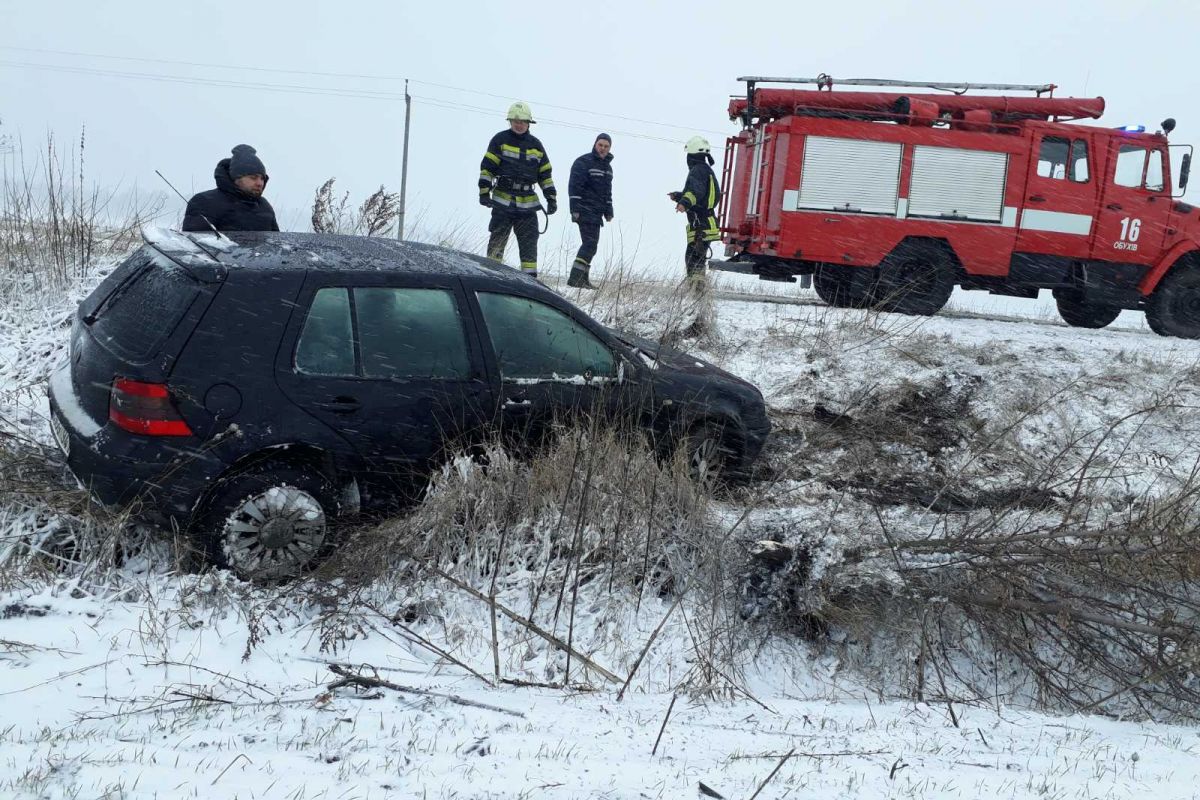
228	208
701	193
591	188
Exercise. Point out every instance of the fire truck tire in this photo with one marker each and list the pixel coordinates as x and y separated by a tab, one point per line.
1078	312
841	288
1174	308
915	278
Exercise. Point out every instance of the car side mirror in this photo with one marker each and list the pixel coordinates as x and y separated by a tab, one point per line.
1185	168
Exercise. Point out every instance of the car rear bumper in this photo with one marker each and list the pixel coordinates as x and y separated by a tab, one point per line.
154	487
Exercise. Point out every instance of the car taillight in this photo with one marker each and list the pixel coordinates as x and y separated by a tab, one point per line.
145	408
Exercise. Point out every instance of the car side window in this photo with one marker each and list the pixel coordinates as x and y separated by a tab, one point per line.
1131	162
1154	172
1079	161
1052	157
534	341
411	333
326	345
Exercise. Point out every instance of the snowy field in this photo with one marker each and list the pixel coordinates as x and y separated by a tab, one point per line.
140	680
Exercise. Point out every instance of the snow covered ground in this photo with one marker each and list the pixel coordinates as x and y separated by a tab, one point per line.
142	681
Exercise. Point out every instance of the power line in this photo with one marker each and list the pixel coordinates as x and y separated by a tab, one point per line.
316	90
439	103
274	87
310	90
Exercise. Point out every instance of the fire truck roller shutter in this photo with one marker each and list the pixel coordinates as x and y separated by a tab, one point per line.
950	183
851	175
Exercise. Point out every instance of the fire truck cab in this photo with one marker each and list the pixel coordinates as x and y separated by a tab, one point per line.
890	200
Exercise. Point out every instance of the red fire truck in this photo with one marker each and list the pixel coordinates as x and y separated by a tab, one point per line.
891	199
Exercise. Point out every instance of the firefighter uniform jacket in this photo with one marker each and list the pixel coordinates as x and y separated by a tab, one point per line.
699	197
513	164
590	188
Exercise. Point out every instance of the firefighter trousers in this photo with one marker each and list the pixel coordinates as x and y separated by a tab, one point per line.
702	229
525	225
589	234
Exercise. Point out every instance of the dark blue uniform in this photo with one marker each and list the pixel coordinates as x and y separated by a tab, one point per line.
590	190
512	165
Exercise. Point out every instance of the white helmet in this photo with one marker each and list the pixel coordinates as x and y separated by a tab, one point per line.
697	144
519	112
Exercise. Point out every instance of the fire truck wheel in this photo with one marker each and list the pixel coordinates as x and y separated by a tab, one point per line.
842	288
1174	308
915	280
1078	312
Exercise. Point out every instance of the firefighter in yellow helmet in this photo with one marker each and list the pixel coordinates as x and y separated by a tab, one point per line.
698	200
514	163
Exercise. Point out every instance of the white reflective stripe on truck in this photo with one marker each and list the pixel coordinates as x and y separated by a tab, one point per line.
1055	222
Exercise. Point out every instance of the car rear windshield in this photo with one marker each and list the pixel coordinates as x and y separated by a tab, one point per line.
140	312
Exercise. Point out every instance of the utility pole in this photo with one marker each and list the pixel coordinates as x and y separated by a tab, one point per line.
404	163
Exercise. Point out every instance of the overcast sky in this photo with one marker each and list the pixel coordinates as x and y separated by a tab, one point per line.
650	74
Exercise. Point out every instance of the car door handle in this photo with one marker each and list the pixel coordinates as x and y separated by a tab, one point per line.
1114	207
1037	198
510	403
341	405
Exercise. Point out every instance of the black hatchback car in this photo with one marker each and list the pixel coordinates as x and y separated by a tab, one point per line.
255	388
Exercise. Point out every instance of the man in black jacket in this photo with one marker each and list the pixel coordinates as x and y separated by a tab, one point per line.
590	190
237	203
699	200
513	164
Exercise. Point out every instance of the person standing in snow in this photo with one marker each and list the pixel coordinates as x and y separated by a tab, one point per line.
698	200
516	161
237	204
590	190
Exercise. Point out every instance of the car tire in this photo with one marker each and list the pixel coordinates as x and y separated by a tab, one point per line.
841	288
1174	308
1078	312
710	457
271	522
915	279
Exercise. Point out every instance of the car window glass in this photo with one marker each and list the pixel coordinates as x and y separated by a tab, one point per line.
1079	161
325	346
411	333
1154	171
533	340
138	316
1130	160
1052	157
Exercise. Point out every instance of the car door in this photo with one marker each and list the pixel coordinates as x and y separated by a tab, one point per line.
1132	221
1060	198
554	366
392	363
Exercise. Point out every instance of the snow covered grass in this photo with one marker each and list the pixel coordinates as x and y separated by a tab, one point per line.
933	487
54	224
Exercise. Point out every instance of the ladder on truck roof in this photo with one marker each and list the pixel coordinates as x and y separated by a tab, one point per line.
824	81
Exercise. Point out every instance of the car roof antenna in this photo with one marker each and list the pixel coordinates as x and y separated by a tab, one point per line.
184	199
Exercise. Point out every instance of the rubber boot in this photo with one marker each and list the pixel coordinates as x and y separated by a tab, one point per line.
579	279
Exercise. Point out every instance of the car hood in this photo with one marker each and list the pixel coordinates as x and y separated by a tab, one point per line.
678	361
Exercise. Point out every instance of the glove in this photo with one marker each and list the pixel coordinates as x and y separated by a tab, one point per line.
608	217
485	200
574	216
674	196
551	206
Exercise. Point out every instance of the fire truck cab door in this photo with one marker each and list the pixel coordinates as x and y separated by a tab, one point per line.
1132	217
1060	197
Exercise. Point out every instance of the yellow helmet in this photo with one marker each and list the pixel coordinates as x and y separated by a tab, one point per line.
697	144
519	112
